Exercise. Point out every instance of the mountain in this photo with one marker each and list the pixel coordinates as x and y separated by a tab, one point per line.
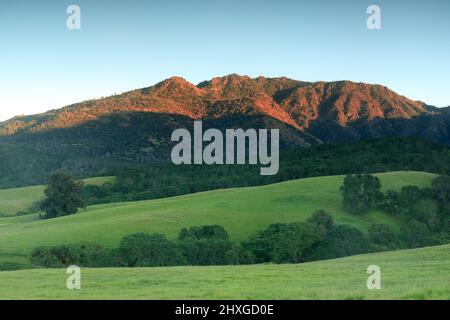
298	104
90	137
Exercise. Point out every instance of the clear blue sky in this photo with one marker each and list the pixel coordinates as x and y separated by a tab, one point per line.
124	45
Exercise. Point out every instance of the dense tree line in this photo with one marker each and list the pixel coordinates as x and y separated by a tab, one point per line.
425	212
164	180
318	238
370	156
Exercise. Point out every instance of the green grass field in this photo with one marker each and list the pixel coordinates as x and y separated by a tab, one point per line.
408	274
21	199
242	212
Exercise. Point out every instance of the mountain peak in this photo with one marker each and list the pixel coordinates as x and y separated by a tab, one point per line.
172	83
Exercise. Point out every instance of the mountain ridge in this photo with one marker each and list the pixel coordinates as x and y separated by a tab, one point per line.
93	137
296	103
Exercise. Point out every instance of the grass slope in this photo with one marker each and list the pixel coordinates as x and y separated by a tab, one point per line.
409	274
242	212
21	199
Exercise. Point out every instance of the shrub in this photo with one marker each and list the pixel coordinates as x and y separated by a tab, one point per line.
282	243
322	220
417	234
53	257
340	241
426	211
292	241
409	195
391	202
82	254
361	192
238	255
92	255
441	190
401	202
204	232
440	238
148	250
204	252
380	235
261	244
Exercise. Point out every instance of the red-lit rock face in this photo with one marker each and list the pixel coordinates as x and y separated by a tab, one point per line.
293	102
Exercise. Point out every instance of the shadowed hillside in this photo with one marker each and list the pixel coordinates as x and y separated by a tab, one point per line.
92	137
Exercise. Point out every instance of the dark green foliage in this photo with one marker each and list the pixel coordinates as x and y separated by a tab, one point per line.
292	241
322	220
10	266
391	202
204	232
341	241
238	255
63	196
91	255
206	245
317	239
140	182
53	257
282	243
440	238
399	203
426	211
380	234
417	234
148	250
408	196
441	189
261	244
203	252
81	254
94	191
423	210
446	224
361	192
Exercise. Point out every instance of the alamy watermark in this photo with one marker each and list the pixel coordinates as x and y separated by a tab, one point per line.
235	146
73	281
73	21
374	20
374	280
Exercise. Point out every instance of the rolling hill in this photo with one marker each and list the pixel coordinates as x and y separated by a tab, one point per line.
21	199
406	274
241	211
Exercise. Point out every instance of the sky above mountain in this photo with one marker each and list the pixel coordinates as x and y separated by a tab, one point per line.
124	45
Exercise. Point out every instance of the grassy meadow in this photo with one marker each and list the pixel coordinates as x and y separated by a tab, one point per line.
408	274
242	211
